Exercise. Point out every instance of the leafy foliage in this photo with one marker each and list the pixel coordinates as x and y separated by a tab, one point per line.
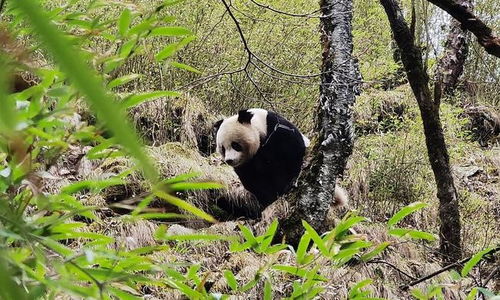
49	246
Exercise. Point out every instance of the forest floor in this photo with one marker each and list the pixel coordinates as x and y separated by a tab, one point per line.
387	171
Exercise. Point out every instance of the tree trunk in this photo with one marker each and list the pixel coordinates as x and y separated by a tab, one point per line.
463	14
339	86
450	247
451	65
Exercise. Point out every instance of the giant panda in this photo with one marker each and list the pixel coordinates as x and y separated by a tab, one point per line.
265	150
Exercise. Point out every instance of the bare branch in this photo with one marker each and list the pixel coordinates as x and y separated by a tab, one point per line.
484	34
448	267
379	261
306	15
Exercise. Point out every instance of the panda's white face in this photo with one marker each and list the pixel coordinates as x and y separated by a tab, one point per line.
237	140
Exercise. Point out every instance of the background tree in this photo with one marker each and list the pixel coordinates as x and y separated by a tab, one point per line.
463	14
451	65
450	248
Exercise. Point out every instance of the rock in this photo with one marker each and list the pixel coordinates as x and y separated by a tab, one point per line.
177	229
465	172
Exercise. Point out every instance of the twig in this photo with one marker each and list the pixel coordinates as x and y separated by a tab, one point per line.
306	15
448	267
378	261
492	274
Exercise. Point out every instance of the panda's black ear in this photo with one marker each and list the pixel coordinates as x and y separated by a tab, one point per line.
217	125
244	116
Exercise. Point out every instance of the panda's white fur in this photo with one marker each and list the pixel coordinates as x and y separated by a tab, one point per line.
247	135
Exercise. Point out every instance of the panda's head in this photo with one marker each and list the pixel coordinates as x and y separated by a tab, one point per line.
239	136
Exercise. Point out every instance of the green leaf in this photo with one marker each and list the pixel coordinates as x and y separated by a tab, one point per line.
124	22
126	49
95	185
148	216
405	211
472	294
356	289
170	49
86	81
268	290
57	247
170	31
122	80
231	280
142	27
184	205
418	294
316	238
250	284
181	178
184	67
380	247
415	234
248	235
140	98
186	186
188	291
269	235
298	271
166	52
471	263
122	294
10	289
302	247
341	228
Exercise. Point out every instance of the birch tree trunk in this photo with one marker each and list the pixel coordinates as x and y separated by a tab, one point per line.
334	124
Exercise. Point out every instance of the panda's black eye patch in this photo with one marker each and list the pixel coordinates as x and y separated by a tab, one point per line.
236	146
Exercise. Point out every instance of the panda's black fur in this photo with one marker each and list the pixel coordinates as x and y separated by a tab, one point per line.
276	165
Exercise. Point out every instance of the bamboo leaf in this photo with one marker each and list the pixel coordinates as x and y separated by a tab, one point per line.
302	247
122	80
70	60
184	67
473	261
231	280
140	98
184	205
379	249
415	234
268	290
124	22
316	238
170	31
184	186
298	271
405	211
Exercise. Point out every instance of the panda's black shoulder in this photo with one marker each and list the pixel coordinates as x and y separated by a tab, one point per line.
274	118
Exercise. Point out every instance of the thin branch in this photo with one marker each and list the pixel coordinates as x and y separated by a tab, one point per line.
448	267
306	15
484	34
285	73
378	261
492	274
